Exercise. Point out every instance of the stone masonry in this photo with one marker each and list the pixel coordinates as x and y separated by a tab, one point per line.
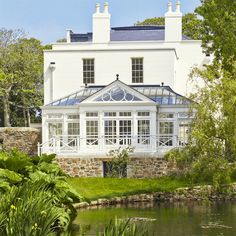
23	139
149	167
81	167
140	167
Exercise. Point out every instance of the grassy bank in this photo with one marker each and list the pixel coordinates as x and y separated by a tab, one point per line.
95	188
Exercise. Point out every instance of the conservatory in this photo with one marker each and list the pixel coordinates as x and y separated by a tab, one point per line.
151	118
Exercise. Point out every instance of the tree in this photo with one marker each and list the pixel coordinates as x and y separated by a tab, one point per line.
219	30
191	25
27	93
7	79
21	69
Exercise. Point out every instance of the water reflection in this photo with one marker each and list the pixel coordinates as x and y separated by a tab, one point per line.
179	219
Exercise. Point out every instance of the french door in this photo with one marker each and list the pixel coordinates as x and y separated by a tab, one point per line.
118	132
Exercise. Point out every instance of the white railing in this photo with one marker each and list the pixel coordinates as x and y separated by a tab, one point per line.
69	144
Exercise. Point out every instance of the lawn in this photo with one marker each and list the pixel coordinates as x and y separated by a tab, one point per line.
94	188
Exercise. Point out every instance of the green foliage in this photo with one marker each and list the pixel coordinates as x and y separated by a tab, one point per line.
19	171
216	171
117	166
21	69
123	228
218	30
192	25
200	169
30	210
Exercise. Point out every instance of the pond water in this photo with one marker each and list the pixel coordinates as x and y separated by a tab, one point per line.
165	219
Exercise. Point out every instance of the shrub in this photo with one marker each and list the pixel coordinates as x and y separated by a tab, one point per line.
117	166
216	171
18	169
180	161
30	210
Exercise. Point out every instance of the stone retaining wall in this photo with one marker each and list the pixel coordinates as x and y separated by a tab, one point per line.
149	167
199	193
81	167
24	139
93	167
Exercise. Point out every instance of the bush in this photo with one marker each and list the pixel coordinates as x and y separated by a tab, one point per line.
179	161
18	169
216	171
200	169
30	210
117	166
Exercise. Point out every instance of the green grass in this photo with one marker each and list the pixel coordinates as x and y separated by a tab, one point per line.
95	188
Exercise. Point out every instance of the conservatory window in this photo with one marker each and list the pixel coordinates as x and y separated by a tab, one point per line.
88	71
91	114
54	116
185	115
110	132
73	128
117	94
166	131
125	113
137	70
109	114
184	130
73	132
125	131
55	129
144	131
73	117
92	132
143	113
166	115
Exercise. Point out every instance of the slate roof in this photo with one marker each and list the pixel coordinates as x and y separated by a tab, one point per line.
162	95
129	33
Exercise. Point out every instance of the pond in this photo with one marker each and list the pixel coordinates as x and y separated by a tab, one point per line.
165	219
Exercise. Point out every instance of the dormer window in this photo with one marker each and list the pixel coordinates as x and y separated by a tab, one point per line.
88	71
137	70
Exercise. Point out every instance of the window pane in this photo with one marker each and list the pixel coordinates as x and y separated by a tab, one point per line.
88	71
137	70
55	129
166	115
91	114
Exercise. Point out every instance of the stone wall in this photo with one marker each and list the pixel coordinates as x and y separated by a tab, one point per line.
149	167
197	193
82	167
24	139
93	167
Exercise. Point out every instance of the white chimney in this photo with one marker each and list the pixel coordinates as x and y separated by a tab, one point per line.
101	25
68	33
173	24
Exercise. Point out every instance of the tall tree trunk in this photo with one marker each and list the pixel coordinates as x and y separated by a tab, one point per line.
28	117
24	115
6	111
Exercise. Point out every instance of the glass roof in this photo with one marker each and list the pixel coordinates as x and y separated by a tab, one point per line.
162	95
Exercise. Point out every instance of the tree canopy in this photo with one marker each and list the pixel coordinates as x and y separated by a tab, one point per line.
21	69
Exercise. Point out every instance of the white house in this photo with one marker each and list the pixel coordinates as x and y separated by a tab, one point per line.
119	86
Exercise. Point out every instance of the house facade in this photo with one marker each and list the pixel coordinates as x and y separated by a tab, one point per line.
118	87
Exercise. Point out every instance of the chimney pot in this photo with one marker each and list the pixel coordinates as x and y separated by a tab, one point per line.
178	6
169	7
97	8
106	5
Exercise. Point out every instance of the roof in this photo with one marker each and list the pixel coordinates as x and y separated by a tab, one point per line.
129	33
161	95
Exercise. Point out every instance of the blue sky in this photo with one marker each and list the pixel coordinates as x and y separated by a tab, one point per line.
48	19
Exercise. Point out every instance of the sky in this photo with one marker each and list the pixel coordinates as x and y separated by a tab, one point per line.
47	20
